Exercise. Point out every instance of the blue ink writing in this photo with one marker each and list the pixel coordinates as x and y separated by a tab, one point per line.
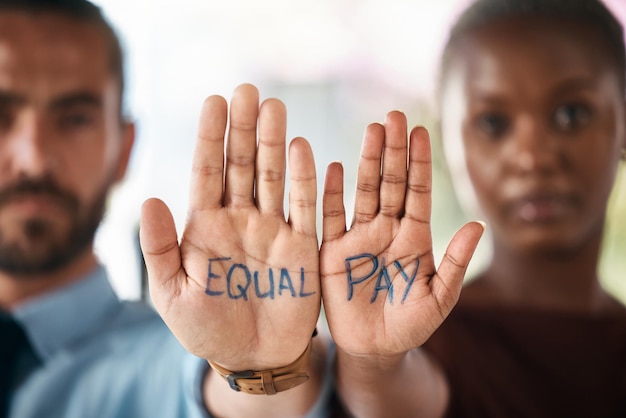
241	280
383	278
302	293
351	280
243	290
409	280
387	286
257	290
213	276
285	283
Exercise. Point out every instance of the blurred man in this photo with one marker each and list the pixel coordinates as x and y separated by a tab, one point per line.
68	346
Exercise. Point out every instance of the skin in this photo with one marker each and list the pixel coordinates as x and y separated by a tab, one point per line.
236	211
60	122
543	186
375	338
543	129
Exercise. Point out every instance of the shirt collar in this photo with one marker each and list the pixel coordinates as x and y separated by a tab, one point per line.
52	320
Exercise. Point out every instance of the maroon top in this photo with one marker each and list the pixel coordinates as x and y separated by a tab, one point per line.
503	362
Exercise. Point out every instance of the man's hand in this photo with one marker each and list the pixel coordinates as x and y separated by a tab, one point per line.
242	287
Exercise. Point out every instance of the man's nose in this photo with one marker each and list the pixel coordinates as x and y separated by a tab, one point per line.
30	150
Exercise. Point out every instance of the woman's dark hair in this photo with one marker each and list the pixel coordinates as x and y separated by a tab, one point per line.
589	12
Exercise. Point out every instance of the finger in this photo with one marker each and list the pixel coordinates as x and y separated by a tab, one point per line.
159	245
270	159
394	170
241	146
302	188
207	167
447	282
368	178
419	188
333	210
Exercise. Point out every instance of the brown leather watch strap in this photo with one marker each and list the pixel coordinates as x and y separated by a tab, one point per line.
268	382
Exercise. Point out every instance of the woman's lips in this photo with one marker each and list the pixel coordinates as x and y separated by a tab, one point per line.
545	208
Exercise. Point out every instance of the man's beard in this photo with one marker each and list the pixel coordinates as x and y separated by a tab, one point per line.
55	249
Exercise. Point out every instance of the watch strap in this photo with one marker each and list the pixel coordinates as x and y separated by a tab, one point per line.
270	381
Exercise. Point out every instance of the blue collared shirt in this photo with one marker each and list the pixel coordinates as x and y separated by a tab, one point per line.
95	356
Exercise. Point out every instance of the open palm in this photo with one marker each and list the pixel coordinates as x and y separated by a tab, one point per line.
242	288
382	292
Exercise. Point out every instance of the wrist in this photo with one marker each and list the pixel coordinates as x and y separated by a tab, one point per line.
369	361
268	381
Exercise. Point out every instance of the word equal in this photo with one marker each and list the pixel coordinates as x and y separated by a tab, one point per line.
240	278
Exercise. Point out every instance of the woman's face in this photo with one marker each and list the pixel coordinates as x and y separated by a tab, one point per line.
541	121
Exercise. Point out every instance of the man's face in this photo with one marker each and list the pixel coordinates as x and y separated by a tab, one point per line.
62	144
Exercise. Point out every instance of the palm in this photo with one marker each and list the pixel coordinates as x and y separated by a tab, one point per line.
376	313
244	290
382	293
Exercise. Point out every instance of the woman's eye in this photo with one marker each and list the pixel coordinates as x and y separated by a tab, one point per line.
571	116
492	124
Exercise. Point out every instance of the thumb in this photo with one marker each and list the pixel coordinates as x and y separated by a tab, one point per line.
159	244
447	282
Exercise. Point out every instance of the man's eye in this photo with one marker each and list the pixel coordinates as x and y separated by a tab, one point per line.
76	120
492	124
571	116
6	119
